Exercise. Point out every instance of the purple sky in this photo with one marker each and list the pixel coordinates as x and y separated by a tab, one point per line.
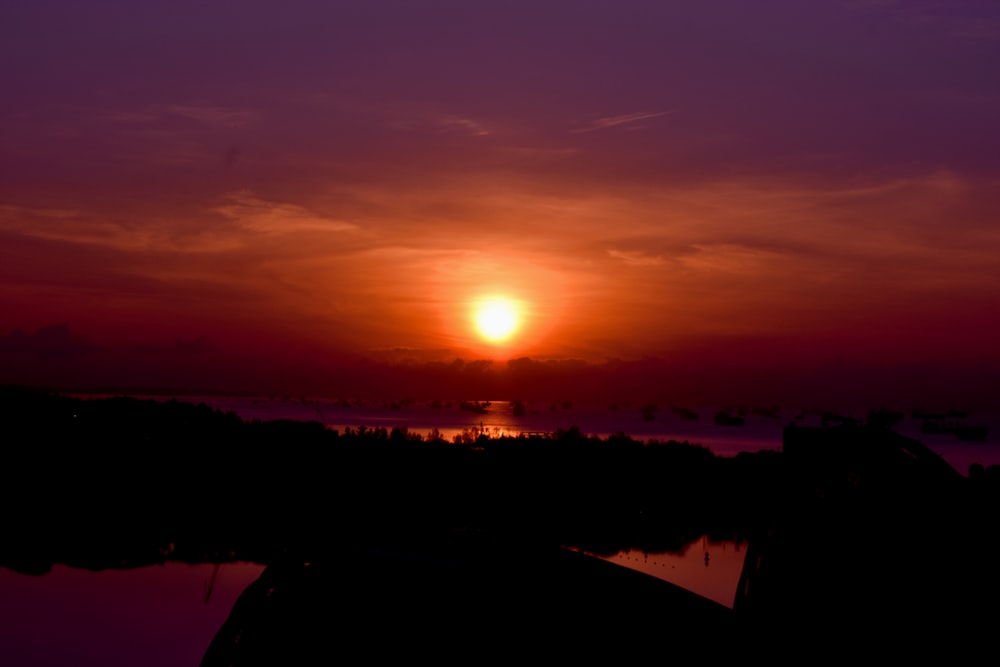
207	192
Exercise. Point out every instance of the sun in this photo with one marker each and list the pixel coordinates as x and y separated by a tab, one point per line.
496	318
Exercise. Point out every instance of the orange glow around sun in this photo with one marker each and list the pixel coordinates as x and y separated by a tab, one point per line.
496	318
497	305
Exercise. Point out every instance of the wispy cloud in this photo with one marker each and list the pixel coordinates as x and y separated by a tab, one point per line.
210	115
870	4
633	258
624	119
966	21
466	125
132	117
729	258
267	217
72	226
10	213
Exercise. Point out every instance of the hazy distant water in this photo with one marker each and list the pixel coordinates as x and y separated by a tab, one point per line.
155	616
760	432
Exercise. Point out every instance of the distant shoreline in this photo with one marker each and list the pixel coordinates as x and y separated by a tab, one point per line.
762	428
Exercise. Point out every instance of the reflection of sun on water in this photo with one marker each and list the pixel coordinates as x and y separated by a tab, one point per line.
496	318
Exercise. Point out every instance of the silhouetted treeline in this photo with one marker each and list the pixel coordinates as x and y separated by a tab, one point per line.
145	480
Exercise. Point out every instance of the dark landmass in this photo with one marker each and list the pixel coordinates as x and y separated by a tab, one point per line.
158	473
853	531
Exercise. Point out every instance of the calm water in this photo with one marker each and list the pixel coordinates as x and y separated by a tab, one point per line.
759	432
150	616
710	569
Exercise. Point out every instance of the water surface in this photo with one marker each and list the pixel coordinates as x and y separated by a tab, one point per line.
706	567
154	616
761	430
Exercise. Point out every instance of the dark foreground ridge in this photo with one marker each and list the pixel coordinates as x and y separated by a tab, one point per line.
395	546
464	604
879	543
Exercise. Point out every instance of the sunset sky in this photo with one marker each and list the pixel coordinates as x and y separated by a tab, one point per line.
295	196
